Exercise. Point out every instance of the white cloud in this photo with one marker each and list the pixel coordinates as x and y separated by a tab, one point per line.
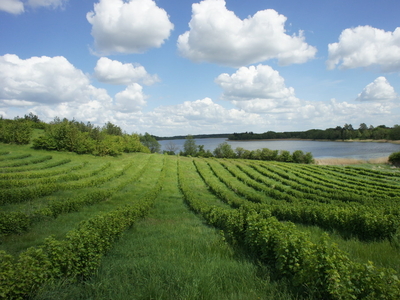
379	90
261	81
200	116
44	80
17	6
12	6
131	99
366	46
47	3
258	89
128	26
115	72
218	36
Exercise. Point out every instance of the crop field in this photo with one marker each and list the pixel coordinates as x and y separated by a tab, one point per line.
152	226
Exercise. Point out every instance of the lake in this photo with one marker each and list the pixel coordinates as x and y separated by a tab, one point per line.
319	149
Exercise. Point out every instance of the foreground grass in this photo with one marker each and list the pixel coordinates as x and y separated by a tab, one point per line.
172	254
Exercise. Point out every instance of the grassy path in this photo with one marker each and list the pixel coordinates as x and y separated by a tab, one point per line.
172	254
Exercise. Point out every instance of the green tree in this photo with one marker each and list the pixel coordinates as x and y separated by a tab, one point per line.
150	142
394	159
224	150
190	147
112	129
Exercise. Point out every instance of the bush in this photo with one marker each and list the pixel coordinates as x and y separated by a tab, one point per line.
394	159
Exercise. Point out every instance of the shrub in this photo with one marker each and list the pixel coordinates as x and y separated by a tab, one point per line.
394	159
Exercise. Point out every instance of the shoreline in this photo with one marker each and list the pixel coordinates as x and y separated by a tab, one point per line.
341	141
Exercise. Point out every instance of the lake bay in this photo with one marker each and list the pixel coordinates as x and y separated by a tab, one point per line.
319	149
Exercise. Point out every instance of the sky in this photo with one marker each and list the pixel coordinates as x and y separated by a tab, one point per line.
170	67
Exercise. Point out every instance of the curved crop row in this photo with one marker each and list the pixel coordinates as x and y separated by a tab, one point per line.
354	178
320	269
23	194
358	220
15	157
42	173
20	163
18	222
53	179
49	165
77	256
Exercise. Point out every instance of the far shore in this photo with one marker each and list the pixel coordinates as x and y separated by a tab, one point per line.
342	141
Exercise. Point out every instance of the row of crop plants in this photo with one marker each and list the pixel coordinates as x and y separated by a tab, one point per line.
79	254
18	221
319	269
362	221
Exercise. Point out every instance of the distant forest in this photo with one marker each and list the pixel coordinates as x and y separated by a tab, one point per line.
347	132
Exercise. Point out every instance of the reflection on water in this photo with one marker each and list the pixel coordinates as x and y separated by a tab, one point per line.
359	150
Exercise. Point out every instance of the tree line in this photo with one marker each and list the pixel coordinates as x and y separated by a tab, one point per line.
71	135
347	132
224	150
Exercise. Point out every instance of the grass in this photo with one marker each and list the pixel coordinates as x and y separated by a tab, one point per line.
172	253
381	253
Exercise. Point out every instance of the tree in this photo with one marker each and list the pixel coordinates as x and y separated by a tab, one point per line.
112	129
189	147
150	142
171	148
224	150
394	159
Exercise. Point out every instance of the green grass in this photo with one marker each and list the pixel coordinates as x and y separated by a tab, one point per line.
171	253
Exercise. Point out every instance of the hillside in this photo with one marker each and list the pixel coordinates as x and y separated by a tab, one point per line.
169	227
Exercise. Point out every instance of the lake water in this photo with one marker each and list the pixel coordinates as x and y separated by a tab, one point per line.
319	149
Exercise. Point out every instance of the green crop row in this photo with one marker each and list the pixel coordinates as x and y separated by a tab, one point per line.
369	193
23	194
36	167
53	179
358	220
75	257
320	269
355	179
27	162
42	173
15	157
18	222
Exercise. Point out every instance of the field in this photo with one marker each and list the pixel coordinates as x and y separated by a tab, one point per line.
152	226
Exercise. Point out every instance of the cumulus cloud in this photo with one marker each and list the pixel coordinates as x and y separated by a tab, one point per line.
378	90
115	72
52	86
257	89
261	81
131	99
45	80
15	7
218	36
366	46
199	116
131	26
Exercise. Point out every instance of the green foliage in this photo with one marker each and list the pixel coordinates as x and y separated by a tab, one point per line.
85	139
150	142
224	150
319	269
17	131
190	147
394	158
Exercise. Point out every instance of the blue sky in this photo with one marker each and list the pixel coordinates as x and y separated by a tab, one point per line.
184	67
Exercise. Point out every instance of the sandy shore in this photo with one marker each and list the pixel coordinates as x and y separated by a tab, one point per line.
350	161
